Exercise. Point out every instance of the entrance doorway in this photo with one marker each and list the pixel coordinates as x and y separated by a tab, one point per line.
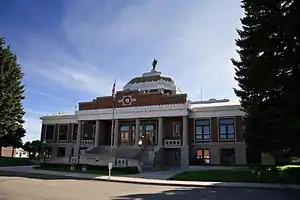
227	156
149	135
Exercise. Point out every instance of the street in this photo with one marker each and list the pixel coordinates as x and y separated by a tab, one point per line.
41	187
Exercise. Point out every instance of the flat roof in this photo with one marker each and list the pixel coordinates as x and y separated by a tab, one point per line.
215	104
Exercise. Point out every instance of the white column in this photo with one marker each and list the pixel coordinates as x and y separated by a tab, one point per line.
184	160
116	133
137	131
77	147
97	134
160	132
185	131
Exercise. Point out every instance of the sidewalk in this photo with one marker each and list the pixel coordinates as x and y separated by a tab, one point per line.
137	179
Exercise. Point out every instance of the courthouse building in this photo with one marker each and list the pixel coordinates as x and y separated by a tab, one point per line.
150	125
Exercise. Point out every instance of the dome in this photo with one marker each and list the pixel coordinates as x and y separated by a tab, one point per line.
144	79
152	81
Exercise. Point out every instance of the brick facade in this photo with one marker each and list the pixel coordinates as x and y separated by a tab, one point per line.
214	129
7	152
168	127
239	128
140	99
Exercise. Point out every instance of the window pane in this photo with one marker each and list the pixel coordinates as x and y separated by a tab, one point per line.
202	122
176	128
230	136
198	130
49	132
63	131
223	136
206	129
206	137
124	137
226	121
149	128
230	128
222	129
198	137
124	128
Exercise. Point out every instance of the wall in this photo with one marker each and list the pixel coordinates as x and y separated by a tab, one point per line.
141	99
168	127
215	155
7	152
215	145
215	129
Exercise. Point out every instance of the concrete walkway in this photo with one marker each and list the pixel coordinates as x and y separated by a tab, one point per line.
153	178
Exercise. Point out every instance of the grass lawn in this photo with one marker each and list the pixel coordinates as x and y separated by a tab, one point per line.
90	169
8	161
280	174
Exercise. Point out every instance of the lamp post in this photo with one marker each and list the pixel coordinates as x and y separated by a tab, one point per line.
140	144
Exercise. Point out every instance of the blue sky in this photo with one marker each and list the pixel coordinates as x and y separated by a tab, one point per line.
71	50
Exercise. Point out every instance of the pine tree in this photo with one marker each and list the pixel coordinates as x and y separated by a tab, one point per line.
11	93
264	73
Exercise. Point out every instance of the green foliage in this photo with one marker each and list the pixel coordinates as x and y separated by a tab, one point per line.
32	148
13	139
284	174
268	74
4	161
11	90
90	169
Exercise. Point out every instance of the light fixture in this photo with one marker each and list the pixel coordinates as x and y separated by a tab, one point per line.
140	142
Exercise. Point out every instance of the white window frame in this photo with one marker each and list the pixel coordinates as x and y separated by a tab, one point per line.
176	133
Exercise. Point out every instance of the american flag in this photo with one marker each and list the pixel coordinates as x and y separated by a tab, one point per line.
114	93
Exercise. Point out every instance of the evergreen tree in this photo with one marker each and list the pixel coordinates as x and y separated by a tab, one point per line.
264	73
11	93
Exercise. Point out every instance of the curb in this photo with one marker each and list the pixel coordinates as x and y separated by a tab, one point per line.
213	185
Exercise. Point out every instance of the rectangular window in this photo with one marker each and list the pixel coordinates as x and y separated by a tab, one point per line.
202	130
226	129
48	152
74	134
49	132
61	152
176	129
62	132
203	156
124	134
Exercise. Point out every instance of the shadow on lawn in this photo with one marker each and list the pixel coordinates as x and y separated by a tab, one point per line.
213	193
38	176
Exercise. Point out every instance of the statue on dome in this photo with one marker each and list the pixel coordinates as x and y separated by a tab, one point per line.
154	63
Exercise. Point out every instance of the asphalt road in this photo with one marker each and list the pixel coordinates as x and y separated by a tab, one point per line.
41	187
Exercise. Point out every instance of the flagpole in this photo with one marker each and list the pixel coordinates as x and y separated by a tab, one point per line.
113	117
112	130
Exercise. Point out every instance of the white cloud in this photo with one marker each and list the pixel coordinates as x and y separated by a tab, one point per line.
33	128
193	40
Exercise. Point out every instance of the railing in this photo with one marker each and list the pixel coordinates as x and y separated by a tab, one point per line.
172	143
